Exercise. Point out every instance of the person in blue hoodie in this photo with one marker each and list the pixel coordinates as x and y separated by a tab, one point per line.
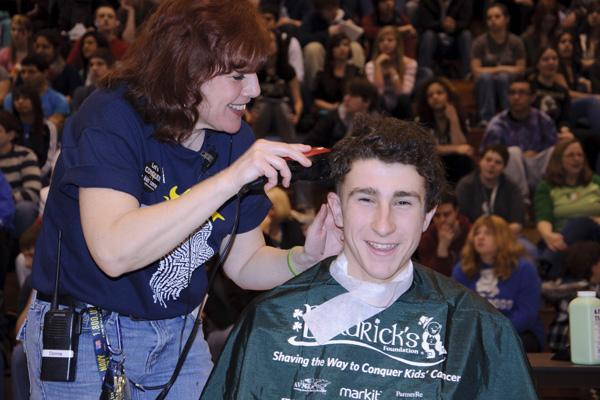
494	265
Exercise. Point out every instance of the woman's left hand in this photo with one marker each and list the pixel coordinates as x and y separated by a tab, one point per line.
323	239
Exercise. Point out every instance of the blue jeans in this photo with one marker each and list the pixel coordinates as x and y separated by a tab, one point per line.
150	350
491	91
430	45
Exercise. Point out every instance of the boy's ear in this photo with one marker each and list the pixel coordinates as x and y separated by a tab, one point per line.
335	205
428	217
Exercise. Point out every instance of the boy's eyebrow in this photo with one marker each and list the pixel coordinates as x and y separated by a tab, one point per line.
372	192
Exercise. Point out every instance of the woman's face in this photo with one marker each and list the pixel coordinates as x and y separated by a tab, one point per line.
387	44
573	160
484	242
437	97
565	46
44	48
19	34
89	46
23	104
548	63
341	52
224	100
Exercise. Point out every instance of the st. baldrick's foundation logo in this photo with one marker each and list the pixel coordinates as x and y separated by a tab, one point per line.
419	344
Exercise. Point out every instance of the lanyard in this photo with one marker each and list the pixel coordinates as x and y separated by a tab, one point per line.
99	340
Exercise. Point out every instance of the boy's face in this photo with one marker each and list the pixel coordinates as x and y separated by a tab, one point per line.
381	210
32	76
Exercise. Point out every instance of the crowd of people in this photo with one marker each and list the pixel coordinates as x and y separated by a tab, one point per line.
528	156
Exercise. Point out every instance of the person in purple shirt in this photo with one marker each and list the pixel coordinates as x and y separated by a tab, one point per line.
529	135
493	265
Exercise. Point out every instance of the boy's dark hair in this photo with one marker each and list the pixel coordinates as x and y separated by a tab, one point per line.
104	54
36	61
364	89
499	5
580	258
270	8
521	79
499	149
391	140
448	197
52	36
9	122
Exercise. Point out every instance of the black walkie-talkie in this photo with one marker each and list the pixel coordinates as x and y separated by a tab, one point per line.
60	337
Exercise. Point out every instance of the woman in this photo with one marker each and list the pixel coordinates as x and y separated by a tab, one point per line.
550	96
392	73
145	192
585	99
492	264
39	134
438	108
62	77
385	13
20	44
277	110
82	50
544	25
330	83
567	205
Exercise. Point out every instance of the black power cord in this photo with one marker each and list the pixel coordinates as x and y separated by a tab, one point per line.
198	321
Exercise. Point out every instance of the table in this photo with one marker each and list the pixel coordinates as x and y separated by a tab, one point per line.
551	373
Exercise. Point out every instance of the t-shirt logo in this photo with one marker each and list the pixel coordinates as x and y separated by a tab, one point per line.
417	343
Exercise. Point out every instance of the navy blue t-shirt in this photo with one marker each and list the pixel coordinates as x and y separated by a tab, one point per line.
106	144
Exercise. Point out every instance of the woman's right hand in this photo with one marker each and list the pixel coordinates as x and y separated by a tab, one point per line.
265	158
555	241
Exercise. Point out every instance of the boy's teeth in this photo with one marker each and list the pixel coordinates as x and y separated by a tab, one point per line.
238	107
381	246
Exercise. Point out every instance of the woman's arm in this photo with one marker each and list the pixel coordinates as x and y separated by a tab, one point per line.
296	99
111	218
255	266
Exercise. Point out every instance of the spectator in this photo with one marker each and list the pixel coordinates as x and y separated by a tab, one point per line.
497	56
280	228
529	135
62	77
81	51
438	108
585	99
541	33
360	98
24	260
520	12
278	108
488	191
492	264
325	20
5	84
332	80
20	44
7	211
549	96
442	242
270	14
444	32
55	106
38	133
386	13
20	167
107	24
589	35
100	64
582	273
567	206
392	73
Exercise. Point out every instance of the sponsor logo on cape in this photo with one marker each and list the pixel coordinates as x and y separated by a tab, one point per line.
312	385
418	344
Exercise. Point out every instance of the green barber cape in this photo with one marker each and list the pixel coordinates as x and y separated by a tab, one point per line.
437	341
